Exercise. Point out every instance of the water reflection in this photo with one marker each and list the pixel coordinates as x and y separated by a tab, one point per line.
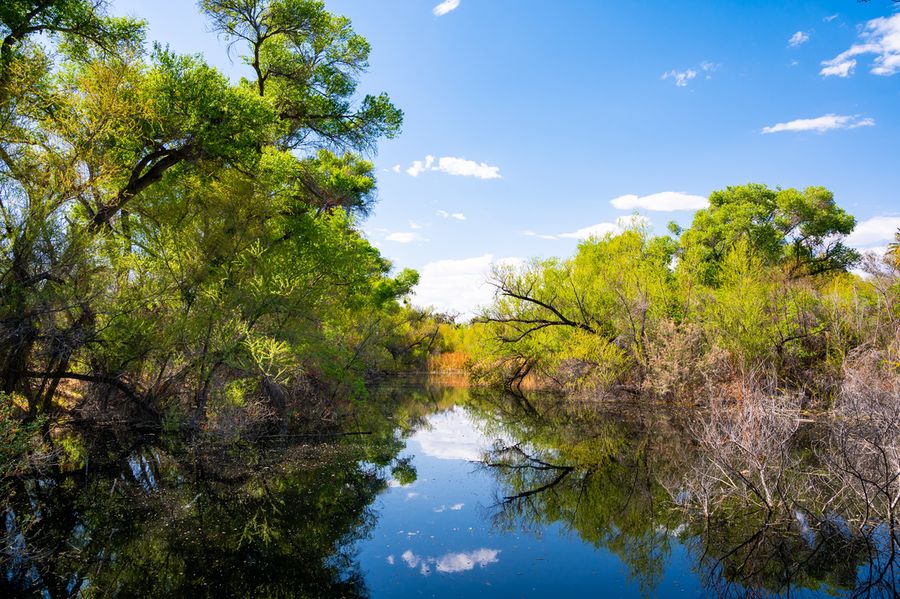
449	563
453	435
772	519
196	530
456	493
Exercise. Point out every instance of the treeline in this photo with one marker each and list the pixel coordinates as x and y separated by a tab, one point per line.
179	247
757	295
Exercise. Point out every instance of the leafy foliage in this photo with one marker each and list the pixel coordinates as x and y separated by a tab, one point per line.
167	232
758	283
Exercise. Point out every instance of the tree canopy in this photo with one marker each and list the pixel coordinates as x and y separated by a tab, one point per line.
173	237
759	283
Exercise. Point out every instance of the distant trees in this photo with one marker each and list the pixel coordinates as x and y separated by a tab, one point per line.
894	249
760	282
175	239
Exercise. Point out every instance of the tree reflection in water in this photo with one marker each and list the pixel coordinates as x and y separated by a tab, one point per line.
167	527
146	517
765	503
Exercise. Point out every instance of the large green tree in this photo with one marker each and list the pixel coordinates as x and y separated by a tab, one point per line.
800	230
758	283
167	231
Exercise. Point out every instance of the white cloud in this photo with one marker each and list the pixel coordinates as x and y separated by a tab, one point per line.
458	286
456	215
821	124
665	201
873	231
452	165
419	166
411	559
681	77
444	7
463	562
453	435
799	38
451	563
396	168
622	223
405	237
467	168
880	37
830	18
457	506
414	225
708	68
838	68
598	230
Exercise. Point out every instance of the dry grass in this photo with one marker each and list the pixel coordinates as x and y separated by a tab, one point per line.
456	361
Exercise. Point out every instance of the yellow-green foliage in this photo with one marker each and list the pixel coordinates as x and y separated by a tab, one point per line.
17	439
167	230
595	311
758	285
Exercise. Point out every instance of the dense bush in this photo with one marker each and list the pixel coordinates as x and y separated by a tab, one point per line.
760	284
174	243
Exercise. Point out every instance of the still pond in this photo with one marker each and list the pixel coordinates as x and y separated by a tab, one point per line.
438	491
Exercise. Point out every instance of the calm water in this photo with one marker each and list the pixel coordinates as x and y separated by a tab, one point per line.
450	494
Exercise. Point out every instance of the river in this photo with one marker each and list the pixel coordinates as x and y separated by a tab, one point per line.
440	491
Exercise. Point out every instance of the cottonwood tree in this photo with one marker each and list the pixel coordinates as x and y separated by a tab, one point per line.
167	231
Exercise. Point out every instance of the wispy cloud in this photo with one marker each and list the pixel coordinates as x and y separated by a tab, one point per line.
709	68
444	7
405	237
880	37
665	201
828	122
598	230
838	68
799	38
830	18
456	215
681	78
452	165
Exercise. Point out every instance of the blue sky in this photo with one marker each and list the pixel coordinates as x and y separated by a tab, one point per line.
538	115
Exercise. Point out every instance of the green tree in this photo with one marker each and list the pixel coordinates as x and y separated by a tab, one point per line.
800	231
167	232
591	315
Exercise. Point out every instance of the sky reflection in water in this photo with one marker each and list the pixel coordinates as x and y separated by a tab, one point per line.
435	538
453	494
